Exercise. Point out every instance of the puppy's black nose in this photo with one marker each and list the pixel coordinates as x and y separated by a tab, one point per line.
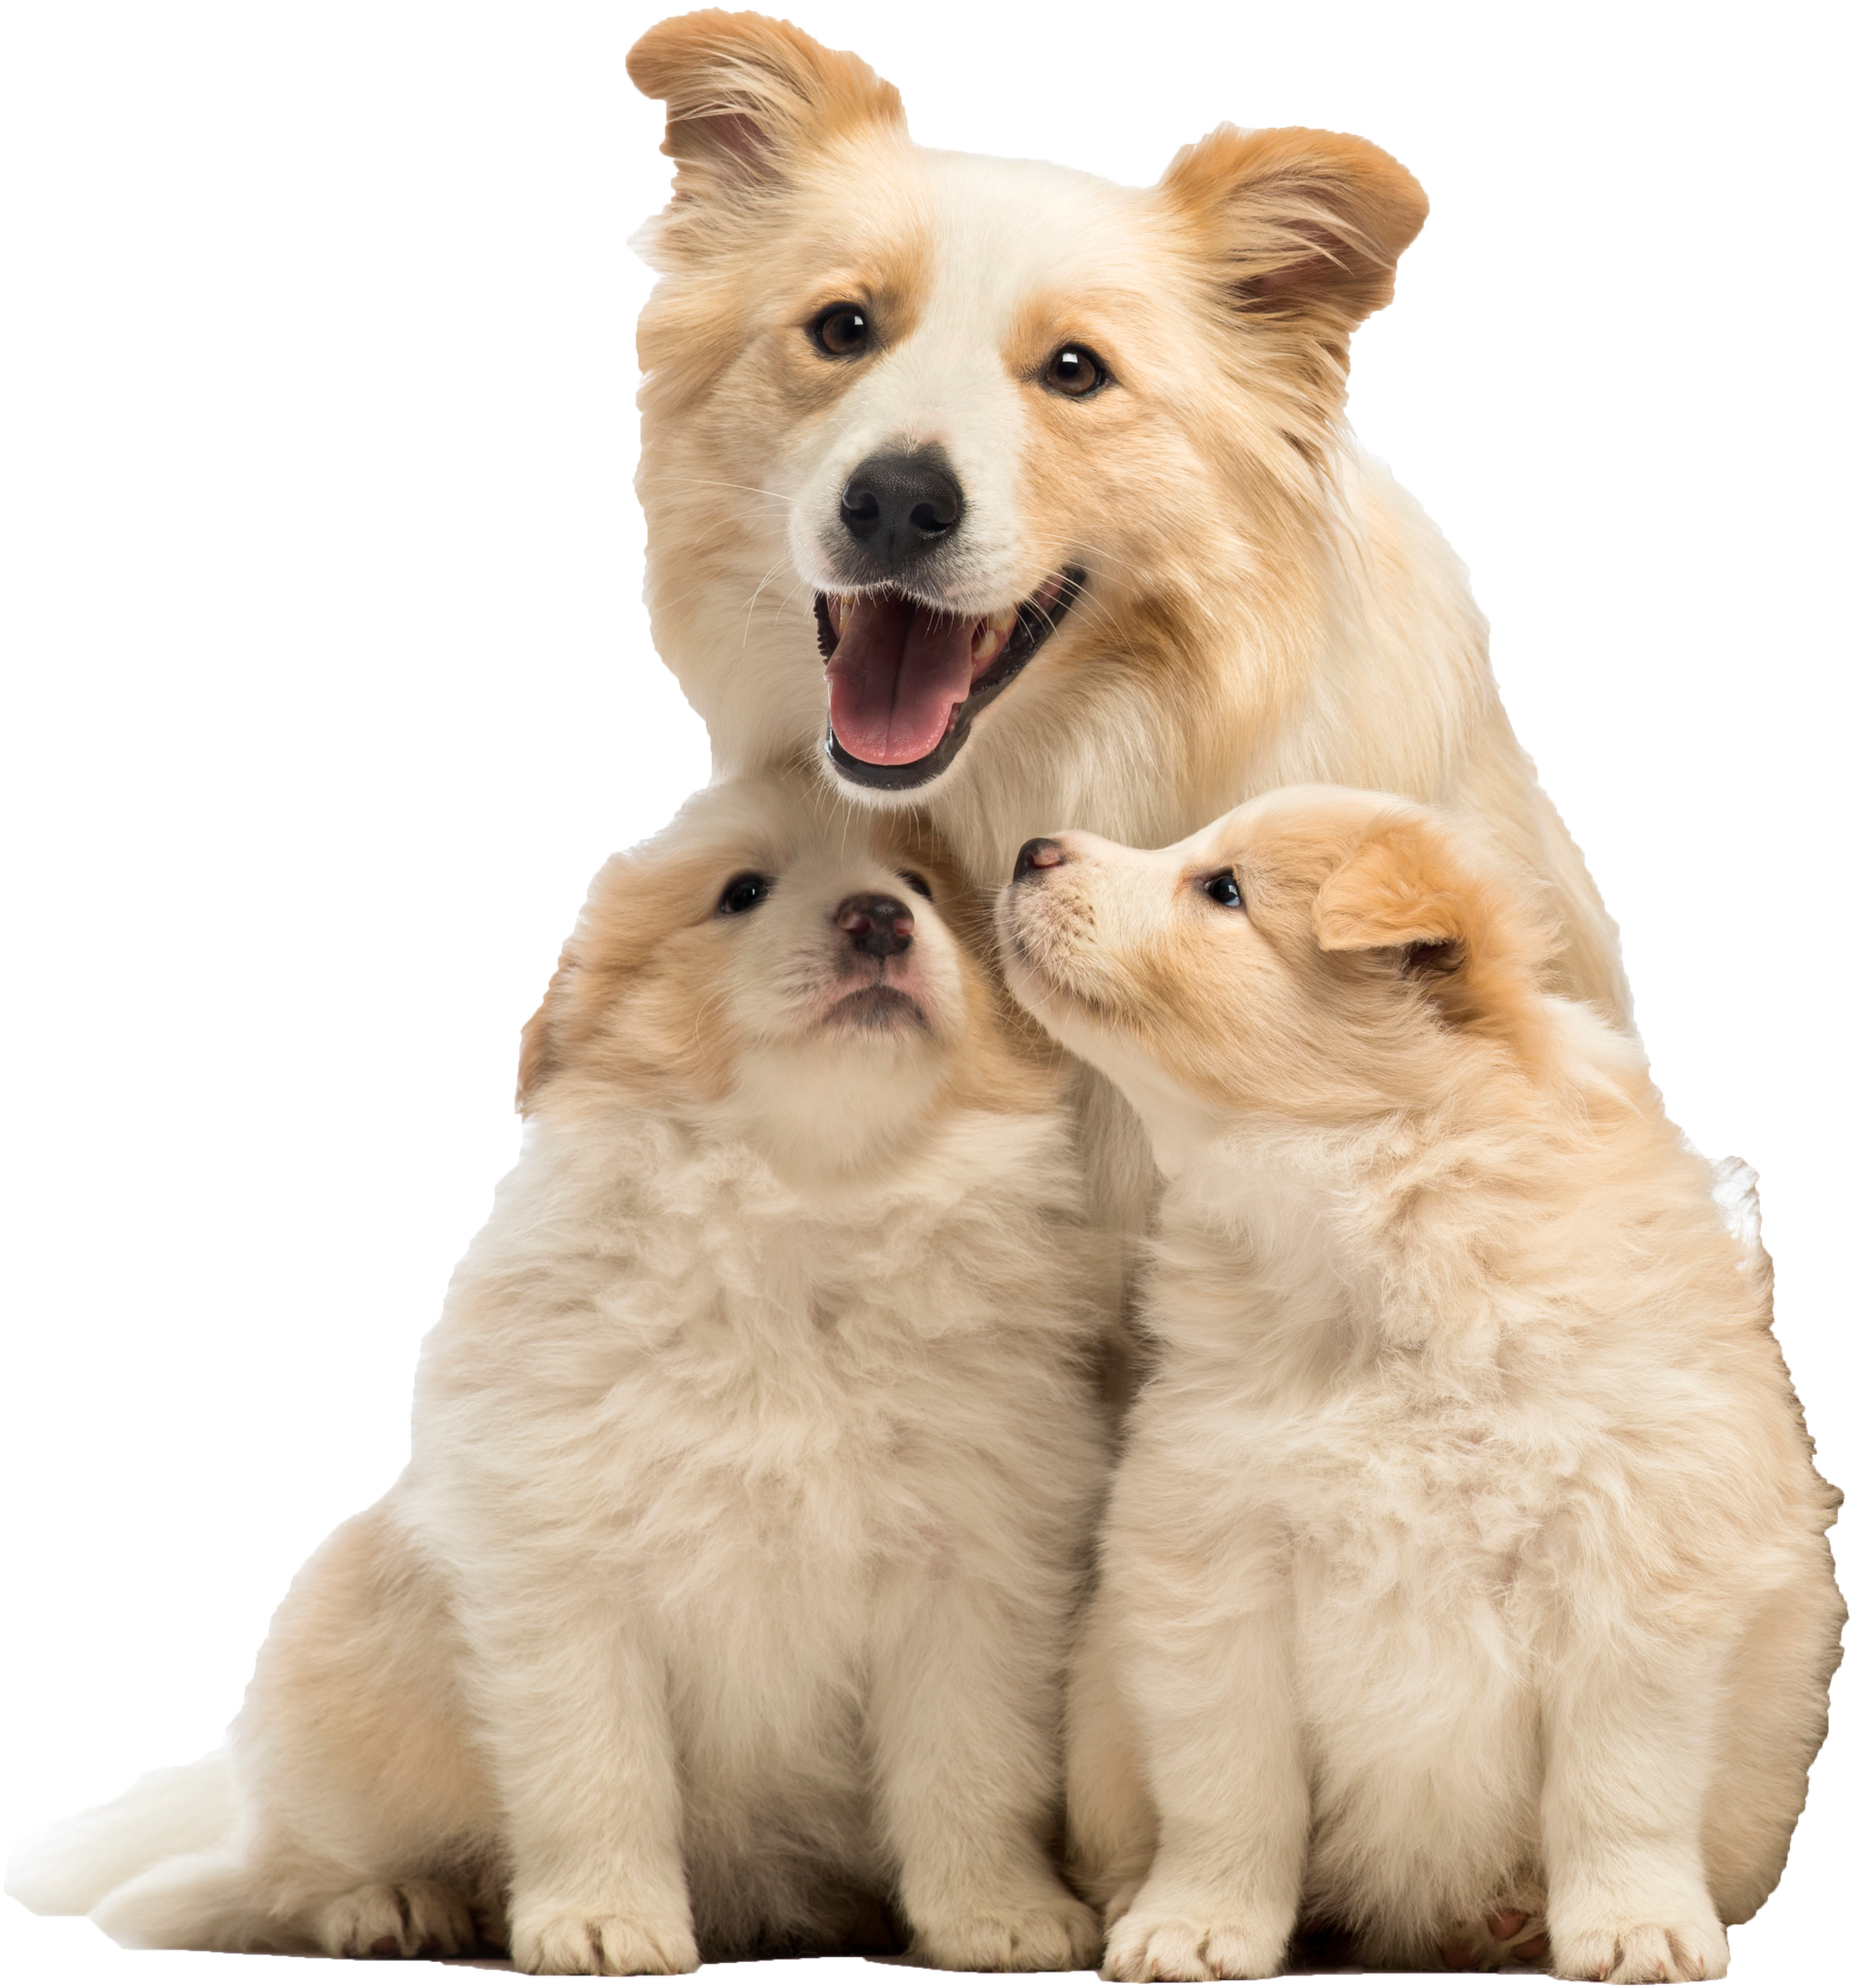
899	507
878	926
1039	853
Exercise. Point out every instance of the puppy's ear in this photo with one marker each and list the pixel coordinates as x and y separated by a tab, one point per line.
1300	225
1405	885
533	1045
1466	934
744	96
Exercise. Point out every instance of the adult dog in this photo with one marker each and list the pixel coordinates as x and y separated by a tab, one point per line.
1054	472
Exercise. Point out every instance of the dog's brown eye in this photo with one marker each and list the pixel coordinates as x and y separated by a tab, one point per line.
1222	889
741	894
841	330
918	884
1075	370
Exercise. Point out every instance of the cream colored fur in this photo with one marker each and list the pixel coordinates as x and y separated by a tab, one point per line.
1263	603
1465	1574
724	1605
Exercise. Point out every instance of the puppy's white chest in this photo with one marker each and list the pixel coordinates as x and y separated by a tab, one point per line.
1414	1532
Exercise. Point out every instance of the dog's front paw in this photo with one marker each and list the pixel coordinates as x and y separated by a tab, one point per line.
1146	1945
1051	1933
1694	1949
400	1920
598	1940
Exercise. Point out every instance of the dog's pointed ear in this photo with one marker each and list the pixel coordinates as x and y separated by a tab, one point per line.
745	95
1469	936
1299	223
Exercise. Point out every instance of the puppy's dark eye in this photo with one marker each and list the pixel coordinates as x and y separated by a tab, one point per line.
743	893
918	884
841	330
1077	371
1222	889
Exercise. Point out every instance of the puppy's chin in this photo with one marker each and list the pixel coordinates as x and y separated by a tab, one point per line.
879	1010
848	1102
1180	1127
1034	967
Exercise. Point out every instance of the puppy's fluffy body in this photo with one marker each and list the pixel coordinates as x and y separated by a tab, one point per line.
1465	1571
1256	602
724	1605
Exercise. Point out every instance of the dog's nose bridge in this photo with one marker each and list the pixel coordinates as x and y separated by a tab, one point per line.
879	926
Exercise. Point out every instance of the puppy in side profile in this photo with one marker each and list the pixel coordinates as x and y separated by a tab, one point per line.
1466	1579
724	1606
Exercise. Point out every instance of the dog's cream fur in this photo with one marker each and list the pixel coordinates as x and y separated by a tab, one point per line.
1262	605
1467	1567
724	1606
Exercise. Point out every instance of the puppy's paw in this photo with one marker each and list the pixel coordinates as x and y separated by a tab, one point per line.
1123	1897
1500	1939
1050	1933
1148	1945
404	1921
595	1939
1693	1949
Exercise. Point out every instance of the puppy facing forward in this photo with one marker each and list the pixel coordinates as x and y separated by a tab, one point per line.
1466	1579
724	1606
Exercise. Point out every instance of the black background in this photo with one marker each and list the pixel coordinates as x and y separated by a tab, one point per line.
335	684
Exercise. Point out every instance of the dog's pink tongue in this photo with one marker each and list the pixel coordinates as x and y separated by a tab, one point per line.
896	677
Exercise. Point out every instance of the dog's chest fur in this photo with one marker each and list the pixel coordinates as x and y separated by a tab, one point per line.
772	1423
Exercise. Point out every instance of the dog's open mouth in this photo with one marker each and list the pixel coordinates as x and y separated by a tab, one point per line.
905	682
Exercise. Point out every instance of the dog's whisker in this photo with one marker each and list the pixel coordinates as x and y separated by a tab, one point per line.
711	483
748	618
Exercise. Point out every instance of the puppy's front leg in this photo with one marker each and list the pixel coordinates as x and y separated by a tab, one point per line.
1108	1810
1630	1749
572	1707
964	1718
1213	1700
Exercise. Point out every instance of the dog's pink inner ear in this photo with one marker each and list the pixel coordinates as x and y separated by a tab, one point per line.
1327	262
728	138
1427	958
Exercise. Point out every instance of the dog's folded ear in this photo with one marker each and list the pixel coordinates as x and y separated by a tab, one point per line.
1405	884
1299	223
533	1051
1466	933
745	95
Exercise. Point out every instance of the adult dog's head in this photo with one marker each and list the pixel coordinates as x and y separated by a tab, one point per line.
771	968
997	438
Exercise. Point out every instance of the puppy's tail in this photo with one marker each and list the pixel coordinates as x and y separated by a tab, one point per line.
75	1864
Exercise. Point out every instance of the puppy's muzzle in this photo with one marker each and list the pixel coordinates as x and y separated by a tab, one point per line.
877	926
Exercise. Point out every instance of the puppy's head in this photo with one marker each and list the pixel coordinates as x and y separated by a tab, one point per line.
1319	955
794	970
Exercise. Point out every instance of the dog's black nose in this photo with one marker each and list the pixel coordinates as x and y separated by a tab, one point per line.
899	507
1039	853
878	926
